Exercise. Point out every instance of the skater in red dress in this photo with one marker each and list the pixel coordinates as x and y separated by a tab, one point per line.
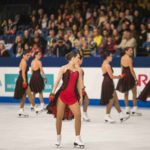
84	93
129	81
145	93
108	93
69	95
38	77
22	89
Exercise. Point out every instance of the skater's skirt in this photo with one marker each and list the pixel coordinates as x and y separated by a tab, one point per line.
107	90
68	98
36	82
127	83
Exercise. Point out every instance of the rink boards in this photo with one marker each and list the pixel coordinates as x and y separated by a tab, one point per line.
92	79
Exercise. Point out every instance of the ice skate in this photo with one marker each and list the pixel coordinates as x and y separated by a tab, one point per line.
37	110
123	117
127	110
85	117
22	114
58	142
109	119
42	106
78	143
136	112
32	108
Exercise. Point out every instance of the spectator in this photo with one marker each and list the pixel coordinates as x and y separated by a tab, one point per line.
60	49
85	51
19	52
3	51
128	41
18	43
97	38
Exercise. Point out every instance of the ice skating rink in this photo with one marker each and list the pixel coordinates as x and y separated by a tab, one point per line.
38	131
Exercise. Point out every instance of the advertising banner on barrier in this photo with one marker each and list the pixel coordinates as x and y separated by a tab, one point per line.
10	81
92	79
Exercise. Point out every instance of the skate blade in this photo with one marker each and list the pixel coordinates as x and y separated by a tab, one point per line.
136	114
86	120
113	122
58	146
124	119
78	146
23	116
32	109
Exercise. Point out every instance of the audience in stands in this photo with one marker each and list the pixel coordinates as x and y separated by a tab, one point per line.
90	27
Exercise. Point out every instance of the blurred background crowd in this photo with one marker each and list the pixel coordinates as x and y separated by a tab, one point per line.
90	26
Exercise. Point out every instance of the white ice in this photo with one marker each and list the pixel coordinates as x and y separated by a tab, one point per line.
38	131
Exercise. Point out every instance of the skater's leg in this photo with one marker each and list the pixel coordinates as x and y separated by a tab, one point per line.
30	96
86	103
116	103
108	110
75	108
126	99
59	116
109	106
41	98
22	102
134	93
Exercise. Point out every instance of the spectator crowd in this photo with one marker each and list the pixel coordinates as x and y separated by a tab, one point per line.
80	25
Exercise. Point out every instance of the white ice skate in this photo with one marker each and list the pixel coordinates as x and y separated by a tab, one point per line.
123	117
78	143
85	117
22	114
109	119
32	108
136	112
42	106
37	109
127	110
58	142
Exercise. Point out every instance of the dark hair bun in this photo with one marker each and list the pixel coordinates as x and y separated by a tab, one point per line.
105	54
70	55
26	52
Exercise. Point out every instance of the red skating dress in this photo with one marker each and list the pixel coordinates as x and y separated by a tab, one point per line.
67	93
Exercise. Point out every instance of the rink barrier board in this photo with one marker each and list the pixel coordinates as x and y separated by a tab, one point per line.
92	71
88	62
93	102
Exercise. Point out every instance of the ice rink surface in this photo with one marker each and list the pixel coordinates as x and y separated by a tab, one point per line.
38	131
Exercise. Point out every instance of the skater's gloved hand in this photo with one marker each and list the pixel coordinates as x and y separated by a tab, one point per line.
51	97
123	75
83	92
24	85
